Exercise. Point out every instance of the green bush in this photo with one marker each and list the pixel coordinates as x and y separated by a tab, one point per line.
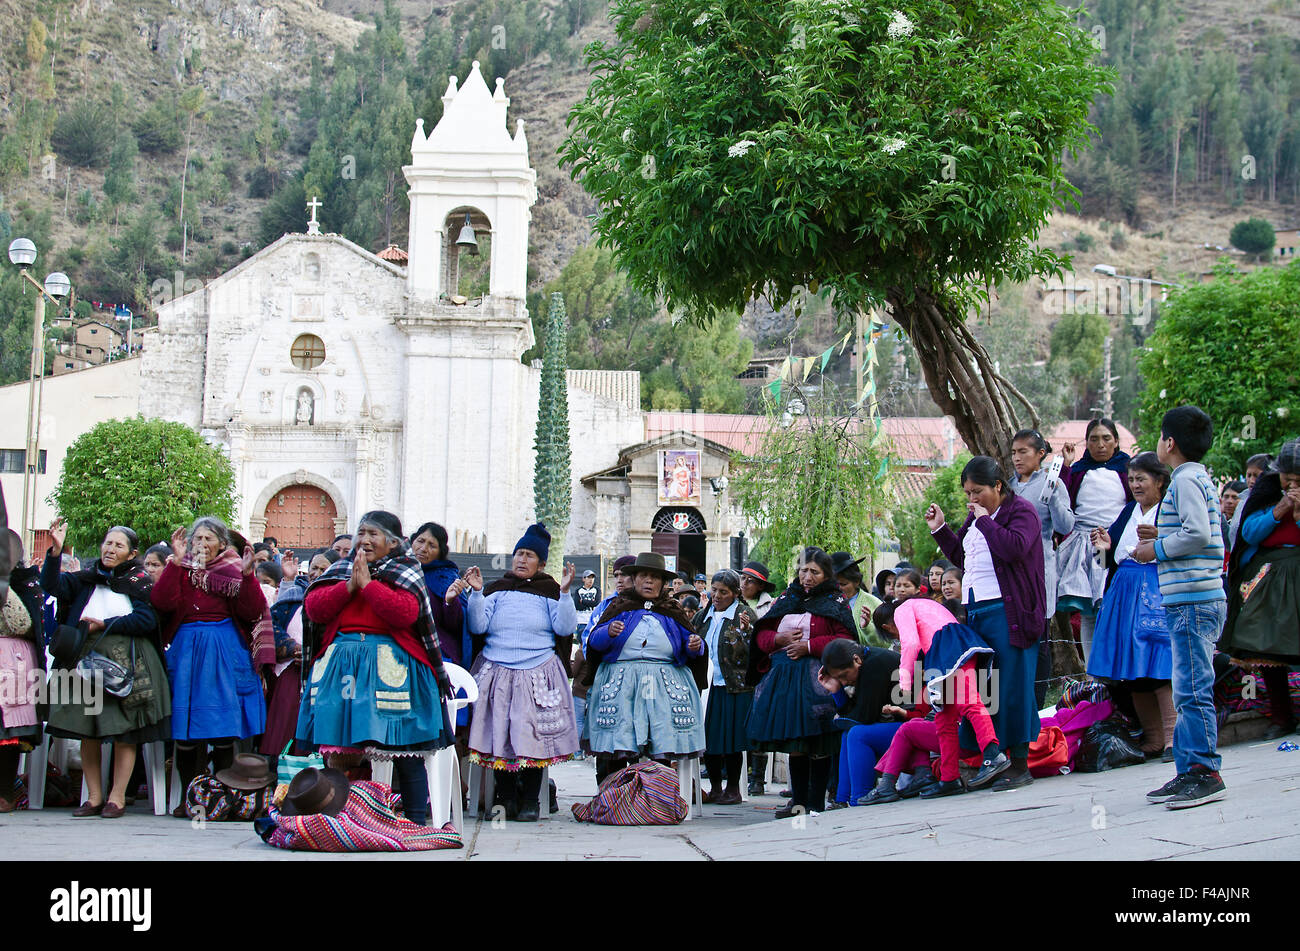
1084	242
1253	236
84	135
151	475
1118	240
158	128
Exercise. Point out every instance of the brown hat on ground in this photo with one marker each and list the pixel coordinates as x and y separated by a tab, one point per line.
249	771
316	792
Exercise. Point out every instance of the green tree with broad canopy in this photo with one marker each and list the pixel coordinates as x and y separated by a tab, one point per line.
751	147
150	475
1231	347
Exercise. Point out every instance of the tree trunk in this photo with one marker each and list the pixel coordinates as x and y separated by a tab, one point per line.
960	375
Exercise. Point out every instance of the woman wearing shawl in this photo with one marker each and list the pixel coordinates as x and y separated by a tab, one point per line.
1098	487
109	601
1263	626
523	719
22	666
725	625
448	593
220	646
646	699
378	682
792	712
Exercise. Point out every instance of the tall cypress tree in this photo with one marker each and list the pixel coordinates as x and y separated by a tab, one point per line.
551	489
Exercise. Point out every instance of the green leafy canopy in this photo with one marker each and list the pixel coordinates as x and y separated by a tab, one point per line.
758	145
1231	347
148	474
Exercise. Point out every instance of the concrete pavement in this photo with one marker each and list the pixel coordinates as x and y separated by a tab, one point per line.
1079	816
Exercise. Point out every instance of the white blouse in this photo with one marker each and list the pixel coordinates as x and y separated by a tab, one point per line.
978	578
1128	539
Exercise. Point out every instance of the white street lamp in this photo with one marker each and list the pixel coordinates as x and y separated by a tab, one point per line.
22	252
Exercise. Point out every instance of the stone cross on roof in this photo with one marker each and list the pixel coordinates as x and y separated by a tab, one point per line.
313	226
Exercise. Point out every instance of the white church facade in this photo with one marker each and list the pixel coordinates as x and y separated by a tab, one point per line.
340	382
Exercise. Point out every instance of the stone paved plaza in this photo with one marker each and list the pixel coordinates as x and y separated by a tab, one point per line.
1080	816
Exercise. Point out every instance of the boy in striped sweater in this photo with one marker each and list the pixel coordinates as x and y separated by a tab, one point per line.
1188	551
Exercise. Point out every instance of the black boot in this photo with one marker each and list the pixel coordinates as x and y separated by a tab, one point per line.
530	788
187	767
757	774
223	757
505	793
819	773
554	796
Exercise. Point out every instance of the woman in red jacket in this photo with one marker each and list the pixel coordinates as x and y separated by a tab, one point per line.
220	644
792	712
378	682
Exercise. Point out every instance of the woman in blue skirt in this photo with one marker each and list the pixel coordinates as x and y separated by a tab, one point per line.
376	686
644	698
220	646
725	625
1130	646
1000	552
792	711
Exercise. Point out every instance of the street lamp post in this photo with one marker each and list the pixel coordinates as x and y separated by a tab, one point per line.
22	253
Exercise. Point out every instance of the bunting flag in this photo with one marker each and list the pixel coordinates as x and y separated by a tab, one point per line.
807	366
826	358
775	388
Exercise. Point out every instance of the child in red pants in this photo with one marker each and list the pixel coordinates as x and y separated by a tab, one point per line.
952	652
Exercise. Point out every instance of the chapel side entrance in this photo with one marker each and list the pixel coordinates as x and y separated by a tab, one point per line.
679	533
301	517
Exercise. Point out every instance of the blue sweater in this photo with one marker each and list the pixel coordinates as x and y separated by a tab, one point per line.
1189	549
521	628
1254	530
611	647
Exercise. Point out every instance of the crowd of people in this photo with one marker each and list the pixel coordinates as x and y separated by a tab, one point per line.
876	690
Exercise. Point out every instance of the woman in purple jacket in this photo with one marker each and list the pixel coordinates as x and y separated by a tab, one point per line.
1005	595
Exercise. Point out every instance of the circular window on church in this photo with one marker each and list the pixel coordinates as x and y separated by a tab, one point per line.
307	352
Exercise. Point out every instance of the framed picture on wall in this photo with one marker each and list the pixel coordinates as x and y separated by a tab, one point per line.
679	477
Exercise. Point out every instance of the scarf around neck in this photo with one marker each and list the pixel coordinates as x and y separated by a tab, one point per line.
439	575
540	584
1117	463
224	577
664	605
824	600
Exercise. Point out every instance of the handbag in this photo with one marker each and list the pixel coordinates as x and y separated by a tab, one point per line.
287	767
118	679
66	644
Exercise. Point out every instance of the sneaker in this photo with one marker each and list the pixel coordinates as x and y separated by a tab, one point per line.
1168	790
991	769
1202	786
1168	755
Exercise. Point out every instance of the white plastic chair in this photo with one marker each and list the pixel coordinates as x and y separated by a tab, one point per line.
688	780
441	766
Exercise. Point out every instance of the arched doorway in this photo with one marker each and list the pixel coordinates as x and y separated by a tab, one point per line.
301	517
679	533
